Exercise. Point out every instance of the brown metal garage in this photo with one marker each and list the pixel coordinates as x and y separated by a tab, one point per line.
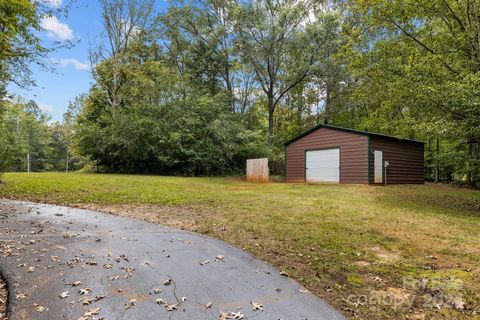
328	153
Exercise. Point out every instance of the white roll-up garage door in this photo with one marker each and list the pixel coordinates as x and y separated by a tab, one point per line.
323	165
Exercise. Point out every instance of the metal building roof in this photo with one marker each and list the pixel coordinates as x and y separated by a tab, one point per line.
365	133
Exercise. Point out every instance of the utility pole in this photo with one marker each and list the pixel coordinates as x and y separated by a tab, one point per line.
66	164
28	162
28	153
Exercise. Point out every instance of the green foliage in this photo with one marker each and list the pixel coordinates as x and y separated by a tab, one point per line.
5	150
417	70
284	45
28	139
20	44
199	88
164	124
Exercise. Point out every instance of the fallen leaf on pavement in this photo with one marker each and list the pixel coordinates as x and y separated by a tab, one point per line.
171	307
20	296
202	263
85	291
90	313
85	301
231	316
256	306
40	308
64	294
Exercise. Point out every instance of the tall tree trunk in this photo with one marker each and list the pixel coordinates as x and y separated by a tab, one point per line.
430	158
270	127
271	109
437	164
326	118
66	163
472	150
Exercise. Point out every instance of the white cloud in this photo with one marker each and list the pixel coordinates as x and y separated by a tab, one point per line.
45	107
73	62
53	3
56	29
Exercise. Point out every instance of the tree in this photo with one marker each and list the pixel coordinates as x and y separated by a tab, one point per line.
26	129
285	42
20	45
123	21
418	66
198	36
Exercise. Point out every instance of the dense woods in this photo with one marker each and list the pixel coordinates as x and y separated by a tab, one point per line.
198	88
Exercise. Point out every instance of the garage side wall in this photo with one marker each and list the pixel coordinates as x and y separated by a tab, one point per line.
353	154
405	159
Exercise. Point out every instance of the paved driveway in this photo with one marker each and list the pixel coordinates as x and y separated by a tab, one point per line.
63	263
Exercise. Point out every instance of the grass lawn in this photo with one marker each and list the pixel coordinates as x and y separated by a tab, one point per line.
396	252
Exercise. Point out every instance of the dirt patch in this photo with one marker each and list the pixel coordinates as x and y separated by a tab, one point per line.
385	256
182	217
3	299
362	263
253	187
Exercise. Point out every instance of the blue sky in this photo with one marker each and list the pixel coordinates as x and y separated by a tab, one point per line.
72	76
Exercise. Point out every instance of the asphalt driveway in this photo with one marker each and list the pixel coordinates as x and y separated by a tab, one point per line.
63	263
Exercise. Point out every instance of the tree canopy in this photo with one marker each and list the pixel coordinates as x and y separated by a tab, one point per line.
203	85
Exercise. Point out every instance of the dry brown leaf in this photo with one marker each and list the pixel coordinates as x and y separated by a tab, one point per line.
64	294
202	263
171	307
231	316
86	301
19	296
92	312
40	308
85	291
256	306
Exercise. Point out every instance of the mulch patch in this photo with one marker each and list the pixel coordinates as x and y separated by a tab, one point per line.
3	300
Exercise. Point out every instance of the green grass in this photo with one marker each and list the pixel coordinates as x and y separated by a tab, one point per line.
337	240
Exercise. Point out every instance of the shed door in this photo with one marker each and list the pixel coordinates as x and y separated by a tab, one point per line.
322	165
378	161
